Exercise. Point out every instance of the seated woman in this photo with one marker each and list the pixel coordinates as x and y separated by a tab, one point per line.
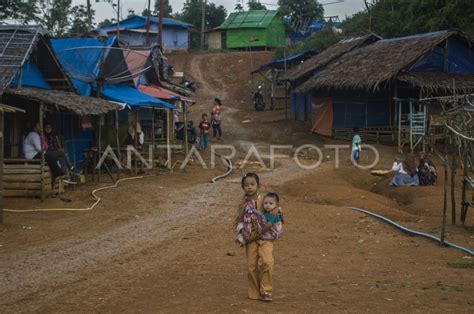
426	170
405	171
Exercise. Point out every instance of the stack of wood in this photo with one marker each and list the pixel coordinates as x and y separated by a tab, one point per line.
25	178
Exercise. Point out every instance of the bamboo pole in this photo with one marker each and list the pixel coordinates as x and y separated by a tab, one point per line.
118	140
453	186
185	128
74	161
168	137
135	161
41	108
445	192
100	147
153	137
1	166
464	204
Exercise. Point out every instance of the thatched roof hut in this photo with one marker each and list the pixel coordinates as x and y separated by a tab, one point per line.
64	101
378	65
21	43
329	55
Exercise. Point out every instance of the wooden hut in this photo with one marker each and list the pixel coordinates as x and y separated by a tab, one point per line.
376	87
300	103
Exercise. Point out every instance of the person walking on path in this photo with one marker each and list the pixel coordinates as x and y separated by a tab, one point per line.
216	119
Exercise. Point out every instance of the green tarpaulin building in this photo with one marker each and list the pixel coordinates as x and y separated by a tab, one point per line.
252	29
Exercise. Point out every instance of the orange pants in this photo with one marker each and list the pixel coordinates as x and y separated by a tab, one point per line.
260	268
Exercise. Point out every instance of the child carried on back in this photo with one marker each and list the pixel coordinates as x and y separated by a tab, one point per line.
255	225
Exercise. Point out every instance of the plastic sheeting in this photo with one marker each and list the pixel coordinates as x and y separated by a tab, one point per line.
361	113
322	115
129	95
300	106
460	56
81	62
31	76
140	22
162	93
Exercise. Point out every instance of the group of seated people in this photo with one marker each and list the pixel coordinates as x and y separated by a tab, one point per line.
410	173
54	155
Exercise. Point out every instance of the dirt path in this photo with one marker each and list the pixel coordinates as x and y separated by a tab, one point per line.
165	243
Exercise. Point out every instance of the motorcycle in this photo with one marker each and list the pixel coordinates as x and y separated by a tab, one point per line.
192	135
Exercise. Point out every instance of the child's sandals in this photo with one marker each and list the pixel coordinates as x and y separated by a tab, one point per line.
266	297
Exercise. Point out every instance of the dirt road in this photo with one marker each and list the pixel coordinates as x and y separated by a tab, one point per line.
165	243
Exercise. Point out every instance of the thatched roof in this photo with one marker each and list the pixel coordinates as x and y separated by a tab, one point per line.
15	47
65	101
376	65
328	55
19	43
6	108
439	81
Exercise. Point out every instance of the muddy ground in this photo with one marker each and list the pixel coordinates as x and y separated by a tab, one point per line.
164	243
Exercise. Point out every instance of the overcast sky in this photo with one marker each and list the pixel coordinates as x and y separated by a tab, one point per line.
104	9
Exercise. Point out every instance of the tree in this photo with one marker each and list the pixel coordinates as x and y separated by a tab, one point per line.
80	24
297	9
167	9
23	11
106	23
320	40
405	17
55	16
253	5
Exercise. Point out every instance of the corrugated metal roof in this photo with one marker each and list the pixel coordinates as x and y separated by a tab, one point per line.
249	19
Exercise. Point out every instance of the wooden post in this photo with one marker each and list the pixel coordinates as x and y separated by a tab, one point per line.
135	161
41	108
118	140
286	101
445	193
1	166
464	203
185	128
411	125
400	148
169	114
100	147
453	185
74	161
153	136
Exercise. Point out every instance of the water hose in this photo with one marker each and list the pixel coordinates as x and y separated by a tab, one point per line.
97	200
414	232
229	169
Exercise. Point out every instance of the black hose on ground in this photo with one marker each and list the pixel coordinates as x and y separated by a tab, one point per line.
229	169
413	232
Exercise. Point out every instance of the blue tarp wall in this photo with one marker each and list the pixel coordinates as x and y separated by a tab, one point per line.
349	112
81	61
300	106
31	76
460	59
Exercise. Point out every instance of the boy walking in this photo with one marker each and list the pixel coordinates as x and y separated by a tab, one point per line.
356	141
204	127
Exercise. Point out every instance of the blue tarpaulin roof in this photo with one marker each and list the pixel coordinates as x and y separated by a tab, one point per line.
279	62
82	62
133	97
140	22
31	76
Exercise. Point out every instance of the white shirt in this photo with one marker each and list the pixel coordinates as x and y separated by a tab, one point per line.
32	145
398	167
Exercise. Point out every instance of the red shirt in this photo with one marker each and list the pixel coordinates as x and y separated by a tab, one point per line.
204	126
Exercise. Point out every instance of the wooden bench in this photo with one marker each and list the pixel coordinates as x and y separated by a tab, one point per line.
24	178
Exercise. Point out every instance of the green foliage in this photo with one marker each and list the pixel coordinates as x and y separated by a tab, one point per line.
256	6
320	40
23	11
167	9
106	23
55	17
393	18
80	23
297	9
